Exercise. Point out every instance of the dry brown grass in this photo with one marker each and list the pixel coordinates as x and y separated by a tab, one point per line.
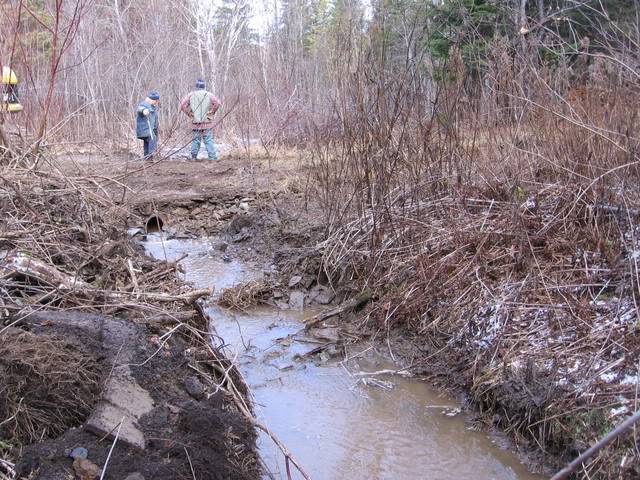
48	385
508	250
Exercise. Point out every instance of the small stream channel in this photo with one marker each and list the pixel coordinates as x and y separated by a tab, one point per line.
337	425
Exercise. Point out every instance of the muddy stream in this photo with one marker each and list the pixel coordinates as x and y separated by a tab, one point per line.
337	422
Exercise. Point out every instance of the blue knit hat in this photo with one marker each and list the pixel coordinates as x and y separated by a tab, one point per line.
200	83
154	95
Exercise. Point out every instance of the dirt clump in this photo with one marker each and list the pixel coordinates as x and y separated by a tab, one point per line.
208	435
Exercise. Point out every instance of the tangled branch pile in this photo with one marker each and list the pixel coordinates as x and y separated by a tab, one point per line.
526	299
62	245
530	304
246	294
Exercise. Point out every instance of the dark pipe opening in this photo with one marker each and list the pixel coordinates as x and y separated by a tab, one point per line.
154	224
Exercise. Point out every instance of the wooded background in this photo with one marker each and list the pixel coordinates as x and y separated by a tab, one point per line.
88	62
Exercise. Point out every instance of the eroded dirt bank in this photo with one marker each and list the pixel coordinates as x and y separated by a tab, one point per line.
173	420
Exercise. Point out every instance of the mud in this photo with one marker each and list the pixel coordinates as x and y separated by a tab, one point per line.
179	430
203	199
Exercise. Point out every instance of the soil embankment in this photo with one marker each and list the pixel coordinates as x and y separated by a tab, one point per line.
172	419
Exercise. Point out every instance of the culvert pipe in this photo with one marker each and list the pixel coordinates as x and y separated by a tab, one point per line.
154	224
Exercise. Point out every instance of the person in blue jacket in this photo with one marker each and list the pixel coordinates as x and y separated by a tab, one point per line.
147	123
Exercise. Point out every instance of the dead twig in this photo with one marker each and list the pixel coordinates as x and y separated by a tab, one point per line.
344	307
113	445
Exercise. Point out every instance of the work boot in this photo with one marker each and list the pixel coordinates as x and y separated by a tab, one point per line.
194	158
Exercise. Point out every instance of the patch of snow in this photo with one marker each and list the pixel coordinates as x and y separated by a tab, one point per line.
608	377
489	321
629	380
576	366
452	412
619	411
628	317
516	364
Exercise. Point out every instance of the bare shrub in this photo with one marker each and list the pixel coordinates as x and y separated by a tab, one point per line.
499	225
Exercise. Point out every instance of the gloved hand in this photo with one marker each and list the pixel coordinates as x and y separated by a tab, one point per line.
146	112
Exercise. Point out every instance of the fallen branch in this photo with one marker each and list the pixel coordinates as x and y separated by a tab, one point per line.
402	373
7	468
21	264
350	304
188	297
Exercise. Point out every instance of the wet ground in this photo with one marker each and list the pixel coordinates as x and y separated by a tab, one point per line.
338	421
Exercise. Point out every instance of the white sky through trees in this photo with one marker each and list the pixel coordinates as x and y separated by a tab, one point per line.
263	13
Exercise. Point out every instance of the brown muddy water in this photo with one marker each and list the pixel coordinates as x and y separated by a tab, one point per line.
337	422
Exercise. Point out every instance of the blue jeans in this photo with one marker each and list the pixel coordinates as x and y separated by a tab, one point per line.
150	145
205	136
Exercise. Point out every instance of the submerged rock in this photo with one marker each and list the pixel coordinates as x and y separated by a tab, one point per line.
281	304
220	245
296	300
322	295
329	334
